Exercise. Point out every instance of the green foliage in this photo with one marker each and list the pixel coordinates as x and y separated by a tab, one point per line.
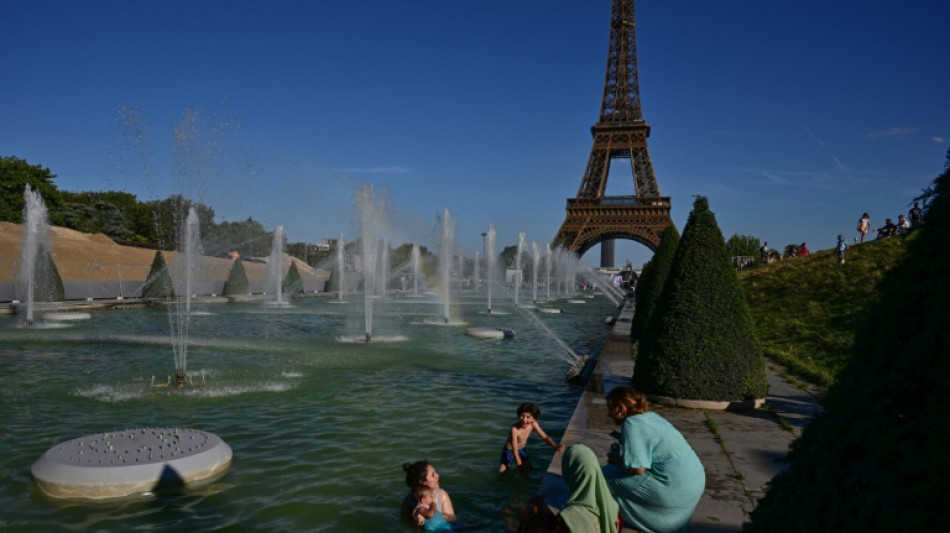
237	283
247	237
159	281
699	343
15	175
651	281
743	245
292	283
806	309
876	458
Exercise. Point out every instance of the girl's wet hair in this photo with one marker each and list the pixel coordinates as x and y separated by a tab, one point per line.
416	473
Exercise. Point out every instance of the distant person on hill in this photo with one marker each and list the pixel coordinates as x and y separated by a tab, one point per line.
864	225
655	476
803	251
916	215
841	248
513	453
764	252
887	230
903	225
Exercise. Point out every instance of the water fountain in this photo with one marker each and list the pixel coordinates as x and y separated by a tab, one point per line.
340	269
416	269
518	267
275	267
35	241
369	209
446	247
536	258
490	259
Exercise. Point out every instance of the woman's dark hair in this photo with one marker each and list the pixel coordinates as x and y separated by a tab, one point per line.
416	473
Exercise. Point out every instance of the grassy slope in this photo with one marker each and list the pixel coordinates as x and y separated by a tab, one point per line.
806	310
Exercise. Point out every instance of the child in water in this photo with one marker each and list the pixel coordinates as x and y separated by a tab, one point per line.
426	508
513	451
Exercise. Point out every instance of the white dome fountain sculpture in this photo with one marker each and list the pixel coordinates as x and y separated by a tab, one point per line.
131	462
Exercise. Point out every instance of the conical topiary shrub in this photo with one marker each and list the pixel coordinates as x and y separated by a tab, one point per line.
699	343
292	283
47	283
876	458
651	282
237	284
159	281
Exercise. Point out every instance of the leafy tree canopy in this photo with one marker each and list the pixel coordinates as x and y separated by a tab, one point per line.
15	175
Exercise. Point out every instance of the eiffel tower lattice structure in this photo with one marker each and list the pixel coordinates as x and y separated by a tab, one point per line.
620	133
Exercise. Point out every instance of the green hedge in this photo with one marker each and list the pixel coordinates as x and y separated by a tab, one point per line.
651	281
293	283
699	343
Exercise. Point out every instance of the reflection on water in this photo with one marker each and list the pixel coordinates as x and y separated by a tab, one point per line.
319	427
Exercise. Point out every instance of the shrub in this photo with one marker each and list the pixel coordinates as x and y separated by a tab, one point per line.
237	284
699	343
159	281
876	458
651	281
293	283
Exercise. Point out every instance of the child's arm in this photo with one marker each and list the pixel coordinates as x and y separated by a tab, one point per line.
549	440
425	511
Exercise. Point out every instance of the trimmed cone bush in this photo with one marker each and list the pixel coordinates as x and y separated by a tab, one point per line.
293	283
876	458
699	343
48	285
652	279
159	281
237	284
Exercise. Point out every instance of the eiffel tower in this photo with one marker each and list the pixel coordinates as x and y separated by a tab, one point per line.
620	133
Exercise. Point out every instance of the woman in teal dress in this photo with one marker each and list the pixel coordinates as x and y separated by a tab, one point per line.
655	476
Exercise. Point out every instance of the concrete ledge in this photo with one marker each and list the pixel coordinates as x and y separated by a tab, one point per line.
745	405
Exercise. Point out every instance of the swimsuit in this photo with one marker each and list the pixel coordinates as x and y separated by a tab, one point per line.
508	457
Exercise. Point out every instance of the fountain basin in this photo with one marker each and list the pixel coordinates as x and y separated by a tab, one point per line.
490	333
130	462
67	316
550	310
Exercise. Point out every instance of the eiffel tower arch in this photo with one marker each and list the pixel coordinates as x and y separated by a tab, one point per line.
620	133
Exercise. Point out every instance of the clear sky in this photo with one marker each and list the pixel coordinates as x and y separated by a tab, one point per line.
793	118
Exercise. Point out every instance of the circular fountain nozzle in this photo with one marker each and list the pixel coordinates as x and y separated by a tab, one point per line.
129	462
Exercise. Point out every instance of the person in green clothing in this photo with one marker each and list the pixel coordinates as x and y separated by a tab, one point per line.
654	474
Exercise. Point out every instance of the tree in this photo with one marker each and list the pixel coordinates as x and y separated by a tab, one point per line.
292	283
158	284
652	280
875	458
15	175
237	284
700	343
743	245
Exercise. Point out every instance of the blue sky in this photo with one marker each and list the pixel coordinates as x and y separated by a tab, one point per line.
793	118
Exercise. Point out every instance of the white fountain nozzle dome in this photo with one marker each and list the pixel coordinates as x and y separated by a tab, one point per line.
134	461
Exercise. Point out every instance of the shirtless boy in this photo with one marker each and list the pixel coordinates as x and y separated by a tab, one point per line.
513	451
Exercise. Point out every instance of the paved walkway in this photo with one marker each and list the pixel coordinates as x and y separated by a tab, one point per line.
741	451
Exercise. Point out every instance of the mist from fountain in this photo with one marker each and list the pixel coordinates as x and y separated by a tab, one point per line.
35	241
383	268
476	280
